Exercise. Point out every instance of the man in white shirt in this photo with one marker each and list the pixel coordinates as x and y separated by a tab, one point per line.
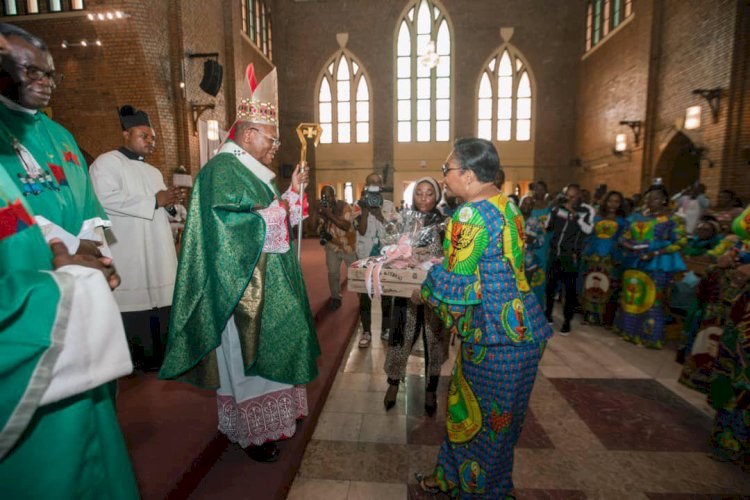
373	212
136	200
692	204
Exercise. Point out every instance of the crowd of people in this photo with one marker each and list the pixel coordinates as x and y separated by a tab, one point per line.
638	266
237	313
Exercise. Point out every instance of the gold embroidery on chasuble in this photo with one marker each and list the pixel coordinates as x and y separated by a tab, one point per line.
247	312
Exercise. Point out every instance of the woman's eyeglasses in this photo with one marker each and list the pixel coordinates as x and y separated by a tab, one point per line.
445	168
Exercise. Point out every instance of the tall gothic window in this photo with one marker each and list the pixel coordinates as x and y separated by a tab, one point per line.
256	23
344	102
603	16
423	74
504	107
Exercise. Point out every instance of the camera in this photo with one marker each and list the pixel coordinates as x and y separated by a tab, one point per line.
325	202
371	197
561	199
325	237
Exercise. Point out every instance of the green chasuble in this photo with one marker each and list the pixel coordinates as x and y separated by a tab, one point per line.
223	272
61	192
72	449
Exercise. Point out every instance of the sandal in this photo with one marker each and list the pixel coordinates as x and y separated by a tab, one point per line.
432	490
365	340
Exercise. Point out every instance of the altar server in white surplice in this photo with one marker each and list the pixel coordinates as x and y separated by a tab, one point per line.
136	200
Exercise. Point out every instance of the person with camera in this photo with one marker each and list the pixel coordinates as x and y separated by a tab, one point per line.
570	222
374	212
339	238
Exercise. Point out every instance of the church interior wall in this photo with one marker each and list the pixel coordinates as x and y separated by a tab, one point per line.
613	87
696	53
646	71
131	67
550	41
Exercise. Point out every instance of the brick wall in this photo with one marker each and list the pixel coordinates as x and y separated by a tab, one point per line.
131	67
736	153
141	62
613	87
696	52
646	71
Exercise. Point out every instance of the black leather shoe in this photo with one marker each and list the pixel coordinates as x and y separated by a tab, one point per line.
267	452
565	328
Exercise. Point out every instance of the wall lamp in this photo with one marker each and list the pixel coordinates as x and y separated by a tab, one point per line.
196	111
621	140
713	97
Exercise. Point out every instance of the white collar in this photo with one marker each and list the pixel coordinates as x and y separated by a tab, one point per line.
16	107
261	171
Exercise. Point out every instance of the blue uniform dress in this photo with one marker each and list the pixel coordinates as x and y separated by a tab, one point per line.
537	252
646	283
602	271
481	293
729	390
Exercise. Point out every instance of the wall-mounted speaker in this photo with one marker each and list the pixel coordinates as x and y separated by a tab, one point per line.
213	74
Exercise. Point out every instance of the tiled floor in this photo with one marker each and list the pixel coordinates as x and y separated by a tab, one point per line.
607	420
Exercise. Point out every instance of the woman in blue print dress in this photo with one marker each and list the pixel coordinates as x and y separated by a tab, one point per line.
537	247
481	293
603	262
652	242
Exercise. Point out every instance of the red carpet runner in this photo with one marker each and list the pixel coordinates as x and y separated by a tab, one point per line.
170	427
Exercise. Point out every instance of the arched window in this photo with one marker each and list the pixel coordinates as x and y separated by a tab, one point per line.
256	23
344	101
603	16
423	74
504	107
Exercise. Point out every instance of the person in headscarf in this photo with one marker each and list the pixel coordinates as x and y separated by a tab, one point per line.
652	241
409	320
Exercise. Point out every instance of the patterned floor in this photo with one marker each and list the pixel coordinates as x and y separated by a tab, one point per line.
608	420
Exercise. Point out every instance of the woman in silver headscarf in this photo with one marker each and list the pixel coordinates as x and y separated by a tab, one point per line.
408	320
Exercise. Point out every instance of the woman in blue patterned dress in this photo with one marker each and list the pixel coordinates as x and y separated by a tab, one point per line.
536	223
652	241
481	293
603	262
537	247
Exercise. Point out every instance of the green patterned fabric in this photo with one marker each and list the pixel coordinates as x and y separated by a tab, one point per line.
220	255
71	449
64	195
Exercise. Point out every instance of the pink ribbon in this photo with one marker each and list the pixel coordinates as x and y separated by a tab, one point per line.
396	254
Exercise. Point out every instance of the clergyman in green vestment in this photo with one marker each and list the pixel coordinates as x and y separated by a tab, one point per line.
241	321
62	345
39	155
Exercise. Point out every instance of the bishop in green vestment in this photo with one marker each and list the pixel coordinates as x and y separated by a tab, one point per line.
241	321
